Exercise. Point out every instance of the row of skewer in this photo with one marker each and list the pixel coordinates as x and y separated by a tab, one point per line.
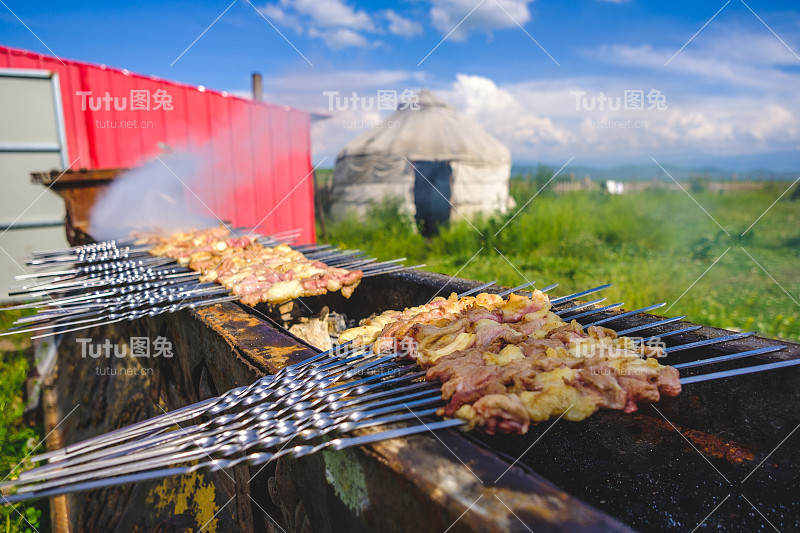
113	281
337	399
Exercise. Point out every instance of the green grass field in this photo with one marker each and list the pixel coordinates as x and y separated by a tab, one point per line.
651	245
17	436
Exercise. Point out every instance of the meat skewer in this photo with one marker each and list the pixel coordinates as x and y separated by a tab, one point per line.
110	282
506	364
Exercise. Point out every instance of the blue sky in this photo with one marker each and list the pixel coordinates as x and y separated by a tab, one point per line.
730	93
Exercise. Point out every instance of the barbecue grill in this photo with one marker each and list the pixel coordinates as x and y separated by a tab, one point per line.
612	464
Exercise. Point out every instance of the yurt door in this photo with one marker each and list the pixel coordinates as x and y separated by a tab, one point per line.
432	195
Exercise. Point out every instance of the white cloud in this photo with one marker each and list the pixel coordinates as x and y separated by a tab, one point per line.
337	23
490	15
753	60
502	114
305	91
538	119
333	13
333	21
402	26
722	100
322	13
277	15
339	38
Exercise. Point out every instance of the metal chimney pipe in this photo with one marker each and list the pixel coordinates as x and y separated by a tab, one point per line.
258	91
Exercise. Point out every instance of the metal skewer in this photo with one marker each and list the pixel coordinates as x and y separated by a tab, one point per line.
667	334
308	413
228	400
133	315
294	407
289	408
624	315
709	342
729	357
477	289
252	459
652	325
578	307
739	371
575	296
594	311
515	289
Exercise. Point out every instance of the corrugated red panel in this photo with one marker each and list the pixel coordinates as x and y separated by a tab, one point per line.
256	157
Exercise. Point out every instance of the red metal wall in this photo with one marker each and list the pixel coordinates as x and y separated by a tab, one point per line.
261	152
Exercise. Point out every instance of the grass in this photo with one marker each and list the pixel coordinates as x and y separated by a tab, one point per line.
653	245
17	437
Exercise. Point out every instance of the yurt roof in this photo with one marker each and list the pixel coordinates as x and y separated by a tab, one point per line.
433	132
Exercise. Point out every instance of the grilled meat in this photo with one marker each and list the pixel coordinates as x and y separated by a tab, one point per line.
390	324
255	272
505	364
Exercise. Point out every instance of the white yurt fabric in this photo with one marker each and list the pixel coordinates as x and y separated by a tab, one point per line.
376	165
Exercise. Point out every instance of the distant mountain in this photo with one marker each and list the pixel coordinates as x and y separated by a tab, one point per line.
777	166
778	162
713	171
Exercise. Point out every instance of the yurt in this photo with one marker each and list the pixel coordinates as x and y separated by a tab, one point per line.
438	162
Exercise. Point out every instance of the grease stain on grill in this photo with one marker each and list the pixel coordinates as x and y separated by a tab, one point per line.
723	453
263	345
280	354
189	495
548	508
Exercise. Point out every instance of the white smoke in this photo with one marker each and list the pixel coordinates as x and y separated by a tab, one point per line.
159	195
185	187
